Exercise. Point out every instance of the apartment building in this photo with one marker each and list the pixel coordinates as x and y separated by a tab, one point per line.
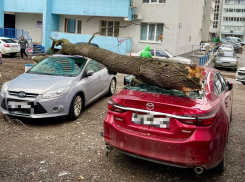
164	24
227	20
233	19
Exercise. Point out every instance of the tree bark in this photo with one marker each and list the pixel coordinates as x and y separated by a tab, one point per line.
164	74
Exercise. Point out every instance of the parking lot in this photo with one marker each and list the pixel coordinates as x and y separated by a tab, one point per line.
63	150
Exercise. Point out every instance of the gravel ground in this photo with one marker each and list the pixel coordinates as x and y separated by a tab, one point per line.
61	150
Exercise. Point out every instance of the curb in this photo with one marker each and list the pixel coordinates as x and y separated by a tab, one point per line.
209	61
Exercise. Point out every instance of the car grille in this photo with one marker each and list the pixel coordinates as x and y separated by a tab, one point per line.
3	105
241	73
27	94
38	108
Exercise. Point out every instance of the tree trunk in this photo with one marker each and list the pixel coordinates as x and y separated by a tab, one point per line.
164	74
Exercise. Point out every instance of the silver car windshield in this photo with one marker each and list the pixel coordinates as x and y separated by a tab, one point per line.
59	66
226	54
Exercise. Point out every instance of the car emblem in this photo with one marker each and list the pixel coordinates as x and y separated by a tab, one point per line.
22	94
150	106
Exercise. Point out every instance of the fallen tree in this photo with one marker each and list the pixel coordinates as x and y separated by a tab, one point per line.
164	74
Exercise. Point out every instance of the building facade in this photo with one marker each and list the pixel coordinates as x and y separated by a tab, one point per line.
209	32
162	24
228	20
233	19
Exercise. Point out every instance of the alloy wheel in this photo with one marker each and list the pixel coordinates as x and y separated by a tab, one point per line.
113	86
77	105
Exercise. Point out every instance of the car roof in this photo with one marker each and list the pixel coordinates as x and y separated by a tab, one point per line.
4	38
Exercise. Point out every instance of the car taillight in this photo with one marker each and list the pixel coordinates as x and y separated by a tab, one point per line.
112	104
130	54
6	45
201	120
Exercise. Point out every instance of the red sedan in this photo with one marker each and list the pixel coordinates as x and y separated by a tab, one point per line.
169	127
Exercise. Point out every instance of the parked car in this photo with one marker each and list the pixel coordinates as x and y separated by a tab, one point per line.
226	59
237	48
240	75
170	127
236	39
92	44
60	85
204	45
163	55
226	47
233	41
9	46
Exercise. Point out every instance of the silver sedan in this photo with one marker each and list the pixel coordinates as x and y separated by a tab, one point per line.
225	59
60	85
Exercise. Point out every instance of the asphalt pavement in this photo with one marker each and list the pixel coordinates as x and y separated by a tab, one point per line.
63	150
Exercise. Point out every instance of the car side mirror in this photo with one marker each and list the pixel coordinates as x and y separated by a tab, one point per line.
230	85
89	73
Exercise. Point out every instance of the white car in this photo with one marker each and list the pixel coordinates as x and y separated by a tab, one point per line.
240	75
204	45
226	47
9	46
163	55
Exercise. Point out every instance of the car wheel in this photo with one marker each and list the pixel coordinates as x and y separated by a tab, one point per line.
13	54
221	167
243	83
237	51
235	69
113	87
76	107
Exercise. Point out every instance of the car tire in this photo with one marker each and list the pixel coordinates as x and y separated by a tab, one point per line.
13	55
235	69
243	83
236	51
112	87
76	107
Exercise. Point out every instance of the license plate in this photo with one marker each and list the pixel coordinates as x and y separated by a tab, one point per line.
14	45
20	107
225	64
150	120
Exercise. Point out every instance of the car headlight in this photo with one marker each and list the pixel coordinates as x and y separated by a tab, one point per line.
55	93
4	88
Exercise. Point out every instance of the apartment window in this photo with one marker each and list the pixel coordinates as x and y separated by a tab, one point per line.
216	8
235	1
113	31
217	1
215	25
151	32
73	25
154	1
216	16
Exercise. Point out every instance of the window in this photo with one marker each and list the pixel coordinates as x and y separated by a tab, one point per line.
160	53
215	25
151	32
223	82
93	66
217	85
73	26
113	31
101	66
154	1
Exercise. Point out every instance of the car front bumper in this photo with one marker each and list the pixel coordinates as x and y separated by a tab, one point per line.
225	65
186	153
39	107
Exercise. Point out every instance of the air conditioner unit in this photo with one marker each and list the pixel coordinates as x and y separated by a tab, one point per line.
133	4
137	16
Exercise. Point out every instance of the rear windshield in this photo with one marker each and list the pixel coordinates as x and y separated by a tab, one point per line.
143	87
60	66
226	54
8	40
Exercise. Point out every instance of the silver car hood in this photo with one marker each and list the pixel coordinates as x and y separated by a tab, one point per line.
242	69
227	59
181	60
39	84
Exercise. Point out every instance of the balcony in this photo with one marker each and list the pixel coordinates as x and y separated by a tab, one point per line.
108	8
114	44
